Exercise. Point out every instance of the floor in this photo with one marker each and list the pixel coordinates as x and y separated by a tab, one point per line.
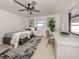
43	51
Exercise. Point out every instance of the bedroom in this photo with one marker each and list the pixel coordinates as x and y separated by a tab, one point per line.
12	20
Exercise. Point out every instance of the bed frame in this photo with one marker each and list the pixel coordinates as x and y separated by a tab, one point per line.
6	40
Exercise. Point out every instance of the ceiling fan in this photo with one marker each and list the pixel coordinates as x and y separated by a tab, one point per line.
30	6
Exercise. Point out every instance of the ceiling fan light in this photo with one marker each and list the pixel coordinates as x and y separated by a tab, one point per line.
28	4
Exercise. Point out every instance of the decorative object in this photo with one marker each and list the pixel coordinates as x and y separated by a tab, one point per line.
31	23
65	34
51	24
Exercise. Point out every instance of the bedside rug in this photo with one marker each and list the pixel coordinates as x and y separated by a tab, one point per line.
27	54
30	50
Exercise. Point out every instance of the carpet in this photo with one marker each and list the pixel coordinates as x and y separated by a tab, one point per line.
23	52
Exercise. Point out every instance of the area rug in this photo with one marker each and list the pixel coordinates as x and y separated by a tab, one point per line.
23	52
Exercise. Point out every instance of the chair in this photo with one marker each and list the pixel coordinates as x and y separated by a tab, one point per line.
48	34
49	37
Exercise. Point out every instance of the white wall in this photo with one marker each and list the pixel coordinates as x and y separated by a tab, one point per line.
10	22
44	18
64	15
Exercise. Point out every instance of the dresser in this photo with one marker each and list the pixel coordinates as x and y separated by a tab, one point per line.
66	47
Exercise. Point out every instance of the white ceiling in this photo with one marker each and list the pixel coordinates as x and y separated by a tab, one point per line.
45	6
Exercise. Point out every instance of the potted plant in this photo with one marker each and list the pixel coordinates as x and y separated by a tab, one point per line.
51	24
65	34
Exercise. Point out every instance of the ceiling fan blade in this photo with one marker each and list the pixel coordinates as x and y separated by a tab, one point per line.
33	3
20	3
22	10
35	10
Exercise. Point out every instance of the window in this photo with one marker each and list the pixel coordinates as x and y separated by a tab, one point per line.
40	23
75	27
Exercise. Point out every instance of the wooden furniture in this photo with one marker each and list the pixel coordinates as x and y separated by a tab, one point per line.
3	51
49	37
8	54
66	47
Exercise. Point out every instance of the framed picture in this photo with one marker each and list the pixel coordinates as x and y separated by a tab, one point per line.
31	23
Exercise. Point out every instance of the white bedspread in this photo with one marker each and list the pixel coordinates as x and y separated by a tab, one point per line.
16	37
28	33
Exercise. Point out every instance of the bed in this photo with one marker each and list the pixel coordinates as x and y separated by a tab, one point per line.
23	38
